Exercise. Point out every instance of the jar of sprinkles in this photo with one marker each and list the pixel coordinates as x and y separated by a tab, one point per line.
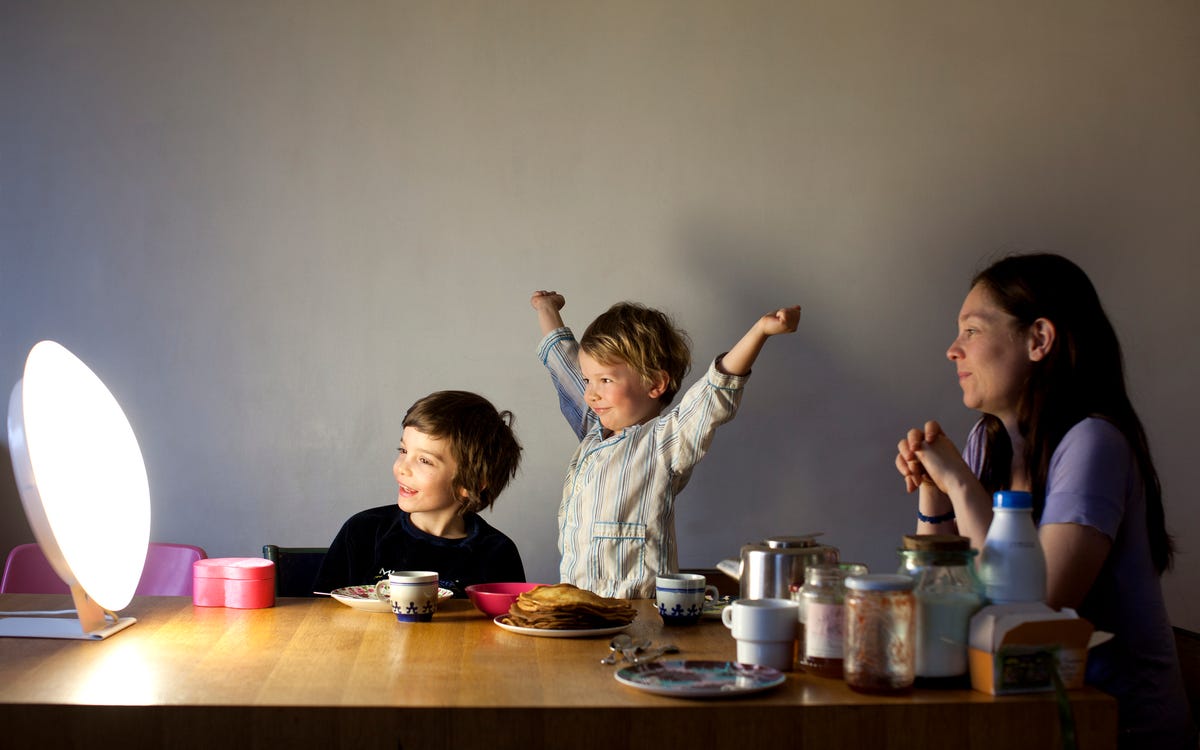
880	633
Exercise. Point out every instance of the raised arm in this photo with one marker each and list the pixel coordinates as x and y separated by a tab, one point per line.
739	359
547	304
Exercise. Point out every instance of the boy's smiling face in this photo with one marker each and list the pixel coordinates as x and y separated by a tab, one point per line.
617	394
425	470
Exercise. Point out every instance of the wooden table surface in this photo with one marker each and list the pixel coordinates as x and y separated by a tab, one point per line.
316	673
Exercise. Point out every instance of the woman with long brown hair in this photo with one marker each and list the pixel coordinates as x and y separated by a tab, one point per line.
1038	357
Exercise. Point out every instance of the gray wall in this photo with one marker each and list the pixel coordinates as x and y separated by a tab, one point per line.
271	226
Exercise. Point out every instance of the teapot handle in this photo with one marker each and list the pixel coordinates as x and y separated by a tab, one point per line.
731	568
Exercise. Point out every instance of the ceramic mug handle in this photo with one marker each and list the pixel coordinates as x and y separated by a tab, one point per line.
712	591
727	617
387	590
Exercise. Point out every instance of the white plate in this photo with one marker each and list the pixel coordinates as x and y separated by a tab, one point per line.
700	679
547	633
363	598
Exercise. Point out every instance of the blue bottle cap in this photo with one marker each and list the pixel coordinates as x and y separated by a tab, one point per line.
1012	499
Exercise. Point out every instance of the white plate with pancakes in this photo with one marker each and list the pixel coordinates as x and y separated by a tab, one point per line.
560	632
561	610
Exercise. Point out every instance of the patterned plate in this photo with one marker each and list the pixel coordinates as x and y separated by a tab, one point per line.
700	679
363	598
713	608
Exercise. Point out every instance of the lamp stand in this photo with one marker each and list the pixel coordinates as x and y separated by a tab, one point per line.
94	623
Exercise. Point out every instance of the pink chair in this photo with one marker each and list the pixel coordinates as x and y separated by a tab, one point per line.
27	571
168	571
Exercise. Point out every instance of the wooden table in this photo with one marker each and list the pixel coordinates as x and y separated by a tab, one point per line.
315	673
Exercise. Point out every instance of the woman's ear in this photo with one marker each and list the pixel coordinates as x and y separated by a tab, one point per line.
1041	339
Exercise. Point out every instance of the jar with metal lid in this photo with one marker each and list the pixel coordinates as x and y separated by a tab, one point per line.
822	616
947	593
880	633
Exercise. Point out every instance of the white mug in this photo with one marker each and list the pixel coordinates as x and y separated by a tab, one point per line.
413	594
680	597
765	631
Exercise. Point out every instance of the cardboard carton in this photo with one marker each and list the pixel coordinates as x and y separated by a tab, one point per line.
1014	648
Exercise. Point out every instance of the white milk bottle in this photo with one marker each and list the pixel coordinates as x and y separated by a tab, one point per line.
1012	565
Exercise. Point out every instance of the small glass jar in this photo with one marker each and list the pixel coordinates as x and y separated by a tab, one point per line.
947	593
880	632
822	617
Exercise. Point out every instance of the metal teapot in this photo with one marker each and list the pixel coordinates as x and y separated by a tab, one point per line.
769	568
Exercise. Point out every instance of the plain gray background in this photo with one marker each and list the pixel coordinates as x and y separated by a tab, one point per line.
270	227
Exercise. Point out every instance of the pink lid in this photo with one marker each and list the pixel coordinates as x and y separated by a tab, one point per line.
247	568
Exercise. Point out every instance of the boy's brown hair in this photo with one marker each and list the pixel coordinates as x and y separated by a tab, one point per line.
481	440
645	339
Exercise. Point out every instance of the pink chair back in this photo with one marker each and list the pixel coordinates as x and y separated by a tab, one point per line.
27	571
168	571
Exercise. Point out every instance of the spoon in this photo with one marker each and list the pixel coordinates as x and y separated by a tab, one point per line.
620	642
631	651
651	654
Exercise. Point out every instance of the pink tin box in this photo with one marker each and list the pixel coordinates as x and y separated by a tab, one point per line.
237	582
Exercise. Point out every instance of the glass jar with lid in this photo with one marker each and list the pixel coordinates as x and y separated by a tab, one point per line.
822	616
947	593
880	630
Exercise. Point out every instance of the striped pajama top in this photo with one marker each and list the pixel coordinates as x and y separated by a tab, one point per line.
616	521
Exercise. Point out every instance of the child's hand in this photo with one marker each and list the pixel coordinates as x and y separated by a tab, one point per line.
739	359
544	300
547	305
783	320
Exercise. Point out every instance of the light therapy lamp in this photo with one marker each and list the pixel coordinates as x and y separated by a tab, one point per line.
83	484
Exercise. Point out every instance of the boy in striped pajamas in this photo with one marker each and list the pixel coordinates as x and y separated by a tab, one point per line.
616	522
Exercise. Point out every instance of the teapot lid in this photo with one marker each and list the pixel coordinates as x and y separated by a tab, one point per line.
789	542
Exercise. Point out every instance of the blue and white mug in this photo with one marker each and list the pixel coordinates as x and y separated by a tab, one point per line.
680	597
413	594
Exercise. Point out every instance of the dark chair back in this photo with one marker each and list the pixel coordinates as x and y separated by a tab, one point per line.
296	568
1187	643
726	586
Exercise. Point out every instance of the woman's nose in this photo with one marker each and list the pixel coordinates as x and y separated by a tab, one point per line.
954	352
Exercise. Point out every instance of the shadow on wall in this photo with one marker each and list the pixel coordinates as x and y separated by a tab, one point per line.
812	447
14	527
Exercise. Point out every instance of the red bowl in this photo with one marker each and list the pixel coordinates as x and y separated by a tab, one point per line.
494	599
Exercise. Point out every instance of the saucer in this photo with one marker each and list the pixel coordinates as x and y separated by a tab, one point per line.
363	598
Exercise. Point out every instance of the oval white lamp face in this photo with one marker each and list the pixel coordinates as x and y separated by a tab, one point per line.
86	493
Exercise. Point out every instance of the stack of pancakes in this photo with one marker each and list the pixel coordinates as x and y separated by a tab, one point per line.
566	607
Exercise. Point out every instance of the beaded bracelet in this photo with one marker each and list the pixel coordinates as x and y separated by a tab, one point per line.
947	516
